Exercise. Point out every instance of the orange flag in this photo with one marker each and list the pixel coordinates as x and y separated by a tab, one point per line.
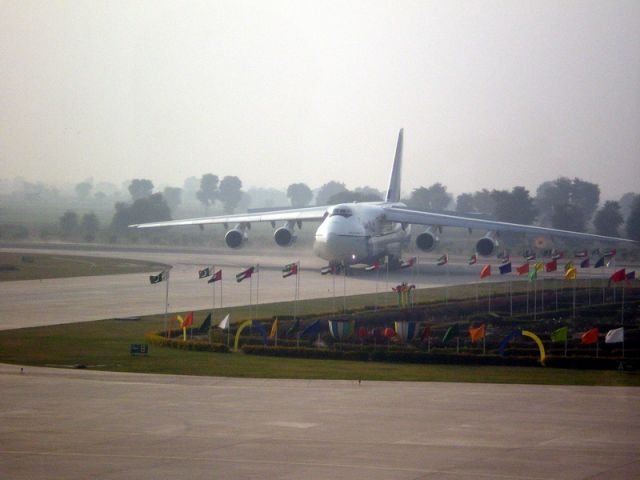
188	320
486	271
477	333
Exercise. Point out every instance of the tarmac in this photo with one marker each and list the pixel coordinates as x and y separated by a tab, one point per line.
72	424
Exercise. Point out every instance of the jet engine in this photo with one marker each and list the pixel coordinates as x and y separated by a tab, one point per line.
236	237
284	236
487	245
427	240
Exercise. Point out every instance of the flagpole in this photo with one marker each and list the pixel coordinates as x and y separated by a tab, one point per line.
489	297
446	292
344	288
257	289
589	285
386	292
377	278
333	274
622	311
555	284
535	298
166	307
528	297
415	281
574	299
566	341
510	299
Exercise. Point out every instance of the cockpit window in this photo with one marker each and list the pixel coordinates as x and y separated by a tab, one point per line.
341	211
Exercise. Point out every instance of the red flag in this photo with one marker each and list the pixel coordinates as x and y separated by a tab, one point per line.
590	336
551	266
477	333
426	332
523	269
486	271
618	276
216	277
188	320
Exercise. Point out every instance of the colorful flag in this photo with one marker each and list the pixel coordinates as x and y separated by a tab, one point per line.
568	266
485	272
551	266
205	272
473	259
409	263
224	323
581	253
245	274
571	274
590	336
522	269
188	320
443	260
610	253
477	333
342	329
506	268
216	277
560	335
161	277
631	275
453	331
615	336
533	275
585	263
374	266
274	329
539	266
600	262
290	269
618	276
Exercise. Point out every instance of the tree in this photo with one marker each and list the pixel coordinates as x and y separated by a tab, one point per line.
625	203
514	207
369	192
172	196
608	219
69	224
83	189
633	220
464	203
89	226
149	209
140	188
581	195
585	195
208	192
348	196
567	216
328	190
433	198
230	193
299	194
484	202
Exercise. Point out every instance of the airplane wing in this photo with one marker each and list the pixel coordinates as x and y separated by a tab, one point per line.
402	215
293	214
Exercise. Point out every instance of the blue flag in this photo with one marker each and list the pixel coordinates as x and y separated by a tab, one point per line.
506	268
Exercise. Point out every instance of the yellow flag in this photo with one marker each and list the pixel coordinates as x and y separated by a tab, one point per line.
274	329
539	266
568	266
571	274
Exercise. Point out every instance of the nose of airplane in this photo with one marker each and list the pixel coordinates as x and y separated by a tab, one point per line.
339	239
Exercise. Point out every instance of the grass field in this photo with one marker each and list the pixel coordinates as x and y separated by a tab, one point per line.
20	266
104	345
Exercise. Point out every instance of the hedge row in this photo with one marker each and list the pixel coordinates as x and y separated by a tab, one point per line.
154	338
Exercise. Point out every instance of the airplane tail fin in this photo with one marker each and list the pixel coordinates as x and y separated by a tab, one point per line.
393	193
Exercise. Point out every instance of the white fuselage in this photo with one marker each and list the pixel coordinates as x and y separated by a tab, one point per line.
358	233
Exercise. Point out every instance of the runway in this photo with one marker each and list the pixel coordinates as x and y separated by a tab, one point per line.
82	424
65	300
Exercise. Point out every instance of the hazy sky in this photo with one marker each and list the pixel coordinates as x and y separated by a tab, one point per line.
491	94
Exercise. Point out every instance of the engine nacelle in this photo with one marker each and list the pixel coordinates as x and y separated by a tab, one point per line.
284	236
487	245
427	240
235	238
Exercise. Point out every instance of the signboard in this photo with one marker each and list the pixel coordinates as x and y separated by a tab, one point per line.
139	349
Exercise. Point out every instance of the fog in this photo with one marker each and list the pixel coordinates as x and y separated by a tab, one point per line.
490	94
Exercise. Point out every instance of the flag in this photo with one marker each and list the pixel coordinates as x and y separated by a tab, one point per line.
485	272
473	259
552	266
631	275
245	274
522	269
161	277
600	262
615	336
295	328
547	253
585	263
330	269
224	323
188	320
618	276
274	329
453	331
539	266
533	275
560	335
374	266
610	253
477	333
205	272
557	255
290	269
505	259
206	325
506	268
581	253
443	260
530	257
426	333
215	277
568	266
312	329
409	263
571	274
590	336
595	252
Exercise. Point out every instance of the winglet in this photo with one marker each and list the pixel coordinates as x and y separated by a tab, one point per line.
393	193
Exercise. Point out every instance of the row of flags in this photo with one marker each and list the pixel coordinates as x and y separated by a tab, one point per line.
287	271
591	336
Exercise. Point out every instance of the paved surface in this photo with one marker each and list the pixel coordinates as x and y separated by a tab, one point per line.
71	424
65	300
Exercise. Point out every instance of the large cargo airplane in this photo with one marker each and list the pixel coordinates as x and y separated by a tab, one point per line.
356	233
